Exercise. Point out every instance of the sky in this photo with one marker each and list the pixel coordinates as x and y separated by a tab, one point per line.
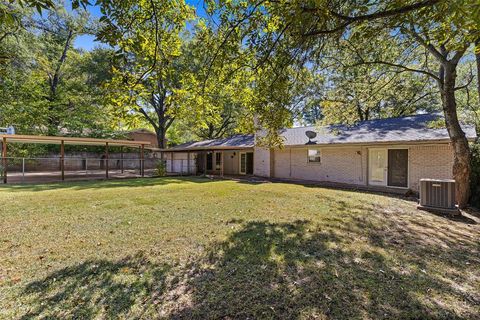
87	42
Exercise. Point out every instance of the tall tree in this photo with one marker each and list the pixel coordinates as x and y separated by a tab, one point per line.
41	95
214	108
57	32
149	70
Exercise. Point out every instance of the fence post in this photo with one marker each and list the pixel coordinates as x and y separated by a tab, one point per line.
142	161
121	159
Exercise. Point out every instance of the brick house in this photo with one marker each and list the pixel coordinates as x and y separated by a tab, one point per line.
390	154
143	135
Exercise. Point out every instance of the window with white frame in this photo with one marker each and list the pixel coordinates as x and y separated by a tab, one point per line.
314	156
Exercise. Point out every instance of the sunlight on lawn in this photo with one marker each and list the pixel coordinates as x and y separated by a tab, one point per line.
194	248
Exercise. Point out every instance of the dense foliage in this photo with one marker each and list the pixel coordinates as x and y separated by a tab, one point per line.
475	181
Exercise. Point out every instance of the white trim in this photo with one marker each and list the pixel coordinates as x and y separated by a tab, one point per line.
315	163
385	169
219	165
240	162
369	182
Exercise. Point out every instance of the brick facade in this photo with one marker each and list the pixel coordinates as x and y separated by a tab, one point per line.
350	164
434	162
144	135
261	160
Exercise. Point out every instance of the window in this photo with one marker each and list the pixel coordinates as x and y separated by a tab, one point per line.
314	156
218	161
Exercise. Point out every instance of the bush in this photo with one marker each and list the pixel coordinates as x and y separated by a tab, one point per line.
475	178
161	168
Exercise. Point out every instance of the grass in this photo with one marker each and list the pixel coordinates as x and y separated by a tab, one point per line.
193	248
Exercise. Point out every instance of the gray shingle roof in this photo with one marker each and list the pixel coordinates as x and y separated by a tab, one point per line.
236	141
405	129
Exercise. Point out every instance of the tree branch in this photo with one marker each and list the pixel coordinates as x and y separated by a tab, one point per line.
372	16
225	39
436	53
147	116
398	66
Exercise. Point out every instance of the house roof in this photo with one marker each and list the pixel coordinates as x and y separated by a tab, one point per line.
141	130
238	141
405	129
392	130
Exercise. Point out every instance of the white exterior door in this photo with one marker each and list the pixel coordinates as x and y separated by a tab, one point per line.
377	164
243	163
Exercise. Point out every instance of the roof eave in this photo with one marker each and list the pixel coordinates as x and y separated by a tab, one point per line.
206	148
422	141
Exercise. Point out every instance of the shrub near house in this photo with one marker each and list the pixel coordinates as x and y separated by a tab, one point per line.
475	179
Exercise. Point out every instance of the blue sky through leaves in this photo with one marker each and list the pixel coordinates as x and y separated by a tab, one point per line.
87	42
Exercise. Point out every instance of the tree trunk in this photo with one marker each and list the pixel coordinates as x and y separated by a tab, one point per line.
53	118
161	133
360	113
461	150
477	58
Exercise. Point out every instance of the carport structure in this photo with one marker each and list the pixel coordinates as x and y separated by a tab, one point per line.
104	162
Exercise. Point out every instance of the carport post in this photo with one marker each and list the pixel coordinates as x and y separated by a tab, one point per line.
121	158
62	159
222	163
106	160
4	159
205	163
142	160
23	169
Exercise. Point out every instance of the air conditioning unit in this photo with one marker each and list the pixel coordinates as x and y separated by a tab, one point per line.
438	195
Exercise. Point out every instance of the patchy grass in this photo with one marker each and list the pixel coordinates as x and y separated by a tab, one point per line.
193	248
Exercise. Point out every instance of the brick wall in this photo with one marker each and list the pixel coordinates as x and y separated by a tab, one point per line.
144	136
433	162
346	165
350	164
261	162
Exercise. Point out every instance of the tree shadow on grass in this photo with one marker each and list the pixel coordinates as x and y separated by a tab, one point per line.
295	270
98	287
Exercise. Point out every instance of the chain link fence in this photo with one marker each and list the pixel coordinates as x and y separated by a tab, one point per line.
25	170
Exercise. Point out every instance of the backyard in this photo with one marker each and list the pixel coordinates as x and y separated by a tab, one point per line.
184	248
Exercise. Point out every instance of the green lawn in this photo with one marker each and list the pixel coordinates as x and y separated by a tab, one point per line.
194	248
